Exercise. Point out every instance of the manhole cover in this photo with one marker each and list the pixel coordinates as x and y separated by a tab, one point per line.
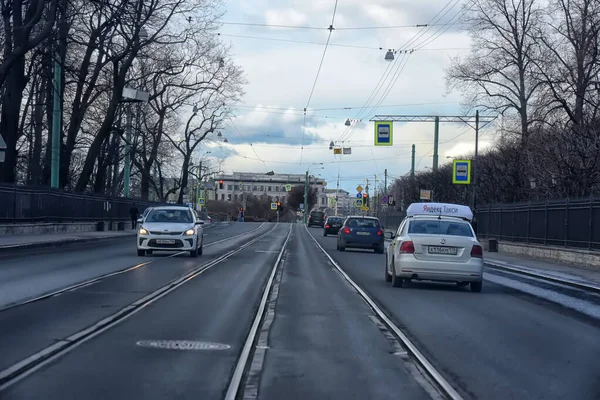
182	345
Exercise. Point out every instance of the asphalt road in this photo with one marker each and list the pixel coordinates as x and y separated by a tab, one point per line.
215	307
324	342
26	329
26	274
518	339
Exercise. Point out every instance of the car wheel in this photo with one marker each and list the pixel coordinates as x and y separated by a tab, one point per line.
396	281
388	276
194	253
141	253
379	250
342	247
200	248
476	286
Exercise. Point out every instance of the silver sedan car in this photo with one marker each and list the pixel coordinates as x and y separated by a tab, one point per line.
437	248
170	228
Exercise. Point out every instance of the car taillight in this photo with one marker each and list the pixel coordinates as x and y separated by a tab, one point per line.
477	251
407	247
379	232
327	226
347	230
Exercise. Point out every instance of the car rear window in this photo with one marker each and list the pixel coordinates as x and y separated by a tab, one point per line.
363	223
317	214
440	227
336	220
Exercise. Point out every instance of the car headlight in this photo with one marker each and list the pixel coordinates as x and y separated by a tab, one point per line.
190	232
143	231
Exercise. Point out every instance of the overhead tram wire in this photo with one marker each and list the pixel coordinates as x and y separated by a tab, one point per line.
300	41
321	28
312	90
448	7
435	19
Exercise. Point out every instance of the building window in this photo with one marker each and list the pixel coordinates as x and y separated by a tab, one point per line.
323	190
222	196
269	189
323	201
235	197
254	188
261	188
229	187
228	196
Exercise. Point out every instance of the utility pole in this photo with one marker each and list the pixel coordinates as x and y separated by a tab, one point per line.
367	190
475	159
127	166
436	139
198	185
412	162
375	202
56	124
305	195
385	182
337	190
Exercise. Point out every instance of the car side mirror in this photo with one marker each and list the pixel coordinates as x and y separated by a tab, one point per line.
390	235
140	220
200	222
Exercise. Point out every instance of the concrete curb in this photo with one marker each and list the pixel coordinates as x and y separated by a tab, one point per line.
541	275
56	243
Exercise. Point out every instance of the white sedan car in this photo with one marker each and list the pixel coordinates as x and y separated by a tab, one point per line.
436	248
170	228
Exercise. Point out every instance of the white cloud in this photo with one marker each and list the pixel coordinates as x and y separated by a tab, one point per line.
281	75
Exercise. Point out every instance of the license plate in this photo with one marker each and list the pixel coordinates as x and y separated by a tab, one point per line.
442	250
165	241
363	233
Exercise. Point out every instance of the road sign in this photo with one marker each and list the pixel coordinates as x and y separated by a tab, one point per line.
425	194
384	200
359	188
358	202
390	200
273	206
384	133
201	202
347	150
359	195
461	172
365	208
337	150
288	188
302	206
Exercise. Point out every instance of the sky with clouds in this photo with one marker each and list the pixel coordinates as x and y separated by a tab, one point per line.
270	131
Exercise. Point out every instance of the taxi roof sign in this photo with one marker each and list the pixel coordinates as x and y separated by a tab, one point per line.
440	209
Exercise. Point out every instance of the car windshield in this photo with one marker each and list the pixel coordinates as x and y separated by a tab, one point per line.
363	223
170	215
440	227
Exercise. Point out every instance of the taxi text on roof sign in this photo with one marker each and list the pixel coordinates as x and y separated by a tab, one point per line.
443	209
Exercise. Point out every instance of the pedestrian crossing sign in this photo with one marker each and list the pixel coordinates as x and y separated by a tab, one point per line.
358	202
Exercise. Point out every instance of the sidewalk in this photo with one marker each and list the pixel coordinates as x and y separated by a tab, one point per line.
14	242
580	276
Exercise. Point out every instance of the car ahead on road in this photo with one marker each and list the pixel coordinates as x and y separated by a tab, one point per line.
170	228
332	225
361	233
435	242
316	218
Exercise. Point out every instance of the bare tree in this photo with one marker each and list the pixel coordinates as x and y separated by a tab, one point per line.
498	74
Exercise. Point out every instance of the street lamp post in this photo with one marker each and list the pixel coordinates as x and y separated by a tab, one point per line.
306	189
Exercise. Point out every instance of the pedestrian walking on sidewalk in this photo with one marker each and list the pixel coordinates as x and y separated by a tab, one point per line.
134	213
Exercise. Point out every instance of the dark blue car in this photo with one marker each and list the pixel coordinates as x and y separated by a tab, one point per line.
361	233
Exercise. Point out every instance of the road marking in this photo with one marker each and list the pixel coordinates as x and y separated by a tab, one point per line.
182	345
266	251
416	354
236	379
97	279
24	368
